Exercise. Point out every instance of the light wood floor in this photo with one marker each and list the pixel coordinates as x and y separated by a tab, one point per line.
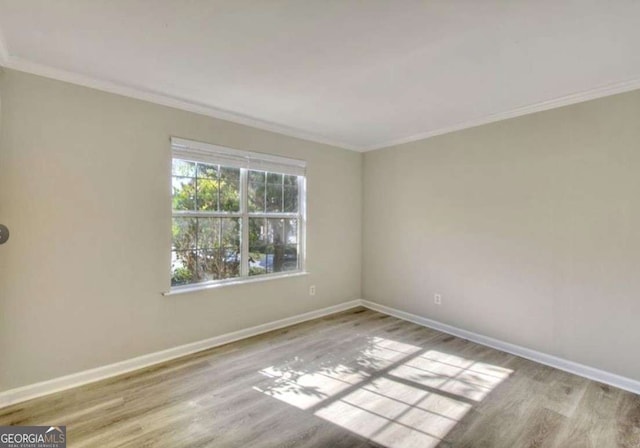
354	379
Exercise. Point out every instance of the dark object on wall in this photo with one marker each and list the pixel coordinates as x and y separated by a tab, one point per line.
4	234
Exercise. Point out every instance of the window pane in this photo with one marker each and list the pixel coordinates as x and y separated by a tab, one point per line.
291	198
221	259
277	246
229	189
256	191
291	231
183	267
273	245
257	246
184	193
274	178
274	198
257	176
290	258
207	171
229	262
208	233
205	249
290	181
230	233
276	230
257	232
218	264
207	267
183	168
184	232
209	248
258	263
207	195
256	197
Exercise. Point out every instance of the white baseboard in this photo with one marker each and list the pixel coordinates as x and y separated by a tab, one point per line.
542	358
30	391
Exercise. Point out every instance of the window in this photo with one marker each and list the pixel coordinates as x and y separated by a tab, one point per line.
236	214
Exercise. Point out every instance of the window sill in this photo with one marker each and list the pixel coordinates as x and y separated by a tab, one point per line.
231	282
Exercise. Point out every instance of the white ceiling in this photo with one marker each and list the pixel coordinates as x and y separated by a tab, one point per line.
359	74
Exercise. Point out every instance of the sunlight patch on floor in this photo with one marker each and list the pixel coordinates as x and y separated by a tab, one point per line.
415	399
301	389
419	421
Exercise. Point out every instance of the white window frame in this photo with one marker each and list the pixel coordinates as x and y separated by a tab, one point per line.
246	161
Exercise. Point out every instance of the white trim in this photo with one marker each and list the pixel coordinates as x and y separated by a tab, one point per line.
542	358
28	392
566	100
31	391
302	222
232	282
139	93
244	227
184	149
209	153
118	88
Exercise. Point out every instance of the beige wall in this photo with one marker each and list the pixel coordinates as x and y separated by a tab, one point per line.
529	228
84	188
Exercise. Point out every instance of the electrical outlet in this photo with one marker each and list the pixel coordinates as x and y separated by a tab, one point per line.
312	290
437	299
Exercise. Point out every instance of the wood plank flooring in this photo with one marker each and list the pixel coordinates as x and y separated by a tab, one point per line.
353	379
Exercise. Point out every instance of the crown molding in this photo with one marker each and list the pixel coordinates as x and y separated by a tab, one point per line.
566	100
24	65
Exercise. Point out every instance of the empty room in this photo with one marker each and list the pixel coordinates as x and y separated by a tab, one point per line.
392	224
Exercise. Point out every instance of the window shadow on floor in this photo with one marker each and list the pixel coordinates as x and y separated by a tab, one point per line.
393	393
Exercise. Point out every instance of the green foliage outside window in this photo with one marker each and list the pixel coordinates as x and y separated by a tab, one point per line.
208	247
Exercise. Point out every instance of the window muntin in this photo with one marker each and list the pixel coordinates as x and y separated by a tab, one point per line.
232	223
